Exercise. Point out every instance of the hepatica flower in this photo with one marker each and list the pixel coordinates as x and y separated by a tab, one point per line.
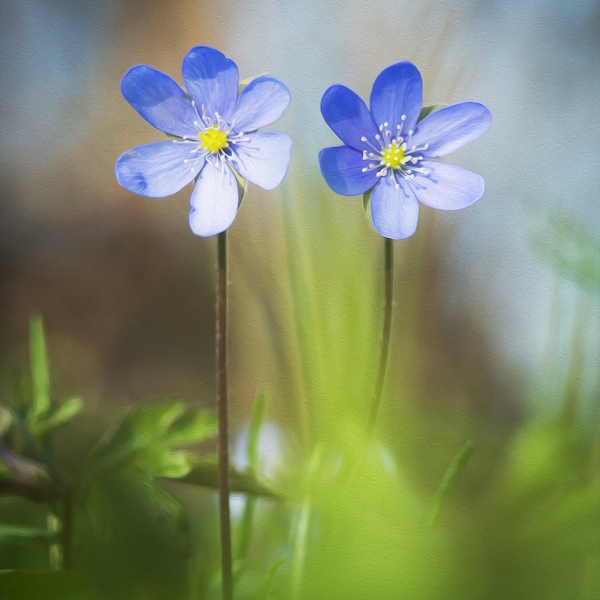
213	133
389	153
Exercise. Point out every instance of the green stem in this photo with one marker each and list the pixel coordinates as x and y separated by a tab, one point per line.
67	529
386	331
222	415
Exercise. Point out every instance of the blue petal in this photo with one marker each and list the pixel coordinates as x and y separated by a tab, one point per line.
159	100
447	187
211	80
395	210
451	128
348	116
215	200
158	170
342	169
263	159
397	91
261	103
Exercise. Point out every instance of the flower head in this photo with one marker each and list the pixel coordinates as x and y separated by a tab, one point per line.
214	137
390	153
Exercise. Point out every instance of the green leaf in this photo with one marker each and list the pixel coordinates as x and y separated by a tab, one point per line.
258	416
6	420
128	513
242	185
203	472
426	110
247	520
193	426
142	432
23	532
453	471
367	201
266	585
39	370
65	412
142	444
43	585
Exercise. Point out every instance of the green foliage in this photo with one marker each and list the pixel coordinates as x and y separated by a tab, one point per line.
23	533
40	585
263	592
138	532
145	439
454	470
40	375
346	516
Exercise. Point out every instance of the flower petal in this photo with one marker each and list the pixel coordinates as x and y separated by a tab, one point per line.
447	187
397	91
261	103
158	170
395	210
451	128
214	200
342	170
263	159
348	116
211	80
159	100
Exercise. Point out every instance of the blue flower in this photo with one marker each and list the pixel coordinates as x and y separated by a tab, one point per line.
390	153
213	133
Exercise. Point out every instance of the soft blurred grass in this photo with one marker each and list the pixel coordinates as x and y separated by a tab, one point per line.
520	518
129	304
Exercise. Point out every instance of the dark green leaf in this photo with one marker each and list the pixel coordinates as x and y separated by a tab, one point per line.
43	585
426	110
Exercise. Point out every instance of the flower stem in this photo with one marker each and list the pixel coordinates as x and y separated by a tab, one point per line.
386	329
222	412
67	529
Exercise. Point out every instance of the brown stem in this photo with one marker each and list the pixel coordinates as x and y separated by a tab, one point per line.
222	414
386	330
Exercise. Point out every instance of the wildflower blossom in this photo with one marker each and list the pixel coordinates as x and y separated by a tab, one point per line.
213	133
389	153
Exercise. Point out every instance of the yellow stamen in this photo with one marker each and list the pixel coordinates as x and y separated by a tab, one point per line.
213	139
393	156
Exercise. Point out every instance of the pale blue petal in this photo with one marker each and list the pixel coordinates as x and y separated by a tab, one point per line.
395	210
348	116
214	201
451	128
261	103
211	80
397	91
159	100
447	187
342	169
263	159
160	169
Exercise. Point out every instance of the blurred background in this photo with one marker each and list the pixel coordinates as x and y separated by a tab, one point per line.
495	331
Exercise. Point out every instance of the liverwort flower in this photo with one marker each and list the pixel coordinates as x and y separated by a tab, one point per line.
213	136
389	153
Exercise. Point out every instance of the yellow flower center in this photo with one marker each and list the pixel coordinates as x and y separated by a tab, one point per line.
213	139
393	156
